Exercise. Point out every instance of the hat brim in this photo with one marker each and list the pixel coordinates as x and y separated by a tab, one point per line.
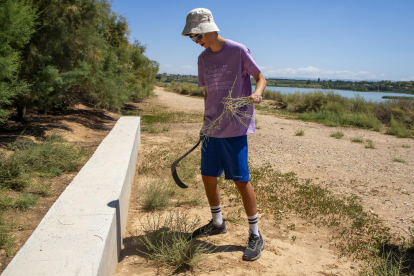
200	28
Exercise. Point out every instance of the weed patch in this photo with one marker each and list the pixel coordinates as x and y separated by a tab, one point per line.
399	159
392	260
357	140
48	158
6	236
167	240
299	132
156	194
369	144
337	134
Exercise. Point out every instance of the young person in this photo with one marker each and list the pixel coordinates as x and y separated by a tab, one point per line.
224	69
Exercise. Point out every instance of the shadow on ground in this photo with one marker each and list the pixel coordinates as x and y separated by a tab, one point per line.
134	246
37	124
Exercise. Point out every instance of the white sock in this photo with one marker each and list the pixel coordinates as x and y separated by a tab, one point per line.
216	213
253	224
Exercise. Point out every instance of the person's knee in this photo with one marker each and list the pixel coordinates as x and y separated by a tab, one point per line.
209	180
242	184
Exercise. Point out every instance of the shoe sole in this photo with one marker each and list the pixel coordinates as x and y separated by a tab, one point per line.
257	257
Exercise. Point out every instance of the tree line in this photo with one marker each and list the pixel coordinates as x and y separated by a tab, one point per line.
54	53
370	86
363	86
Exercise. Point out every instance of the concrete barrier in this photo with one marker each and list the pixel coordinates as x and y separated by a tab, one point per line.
82	232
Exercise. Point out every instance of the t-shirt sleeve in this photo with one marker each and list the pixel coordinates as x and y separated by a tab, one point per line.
201	81
250	66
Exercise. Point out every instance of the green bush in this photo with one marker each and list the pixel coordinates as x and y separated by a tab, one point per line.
398	129
47	158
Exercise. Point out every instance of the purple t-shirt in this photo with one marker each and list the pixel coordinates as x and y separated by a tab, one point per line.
218	72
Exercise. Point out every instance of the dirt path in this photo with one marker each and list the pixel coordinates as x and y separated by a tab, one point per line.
383	185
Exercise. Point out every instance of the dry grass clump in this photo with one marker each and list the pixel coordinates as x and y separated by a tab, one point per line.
167	240
369	144
299	132
156	194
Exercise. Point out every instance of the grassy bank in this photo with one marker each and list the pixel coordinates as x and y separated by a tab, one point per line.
330	109
24	170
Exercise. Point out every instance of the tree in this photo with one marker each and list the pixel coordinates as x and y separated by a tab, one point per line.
79	52
16	26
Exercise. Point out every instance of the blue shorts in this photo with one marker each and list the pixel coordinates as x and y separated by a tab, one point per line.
225	154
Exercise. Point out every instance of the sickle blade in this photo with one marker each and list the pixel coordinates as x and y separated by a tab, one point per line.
177	180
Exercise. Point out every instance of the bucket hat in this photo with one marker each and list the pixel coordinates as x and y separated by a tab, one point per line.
199	21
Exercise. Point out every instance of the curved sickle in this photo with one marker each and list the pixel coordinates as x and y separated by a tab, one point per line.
174	169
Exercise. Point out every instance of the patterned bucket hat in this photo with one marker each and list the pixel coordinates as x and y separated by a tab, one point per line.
199	21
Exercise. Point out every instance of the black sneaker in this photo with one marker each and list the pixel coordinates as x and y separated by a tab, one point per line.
209	230
254	248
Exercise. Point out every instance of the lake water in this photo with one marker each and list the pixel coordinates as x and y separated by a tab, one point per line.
368	96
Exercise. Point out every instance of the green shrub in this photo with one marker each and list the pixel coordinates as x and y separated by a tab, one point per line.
398	129
6	236
48	158
25	201
337	135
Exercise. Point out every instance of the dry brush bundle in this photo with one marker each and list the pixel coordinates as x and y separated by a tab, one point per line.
233	110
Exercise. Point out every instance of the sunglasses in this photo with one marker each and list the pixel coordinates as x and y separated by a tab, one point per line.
197	37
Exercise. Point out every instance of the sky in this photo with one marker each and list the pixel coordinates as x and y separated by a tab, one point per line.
347	39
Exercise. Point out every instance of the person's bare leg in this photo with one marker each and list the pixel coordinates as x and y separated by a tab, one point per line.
248	197
212	190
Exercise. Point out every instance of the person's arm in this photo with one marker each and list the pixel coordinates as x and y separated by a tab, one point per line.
256	97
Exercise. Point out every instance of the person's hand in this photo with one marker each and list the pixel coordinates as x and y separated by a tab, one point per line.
255	99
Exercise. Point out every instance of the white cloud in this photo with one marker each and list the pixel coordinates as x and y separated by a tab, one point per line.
313	72
182	70
187	67
408	79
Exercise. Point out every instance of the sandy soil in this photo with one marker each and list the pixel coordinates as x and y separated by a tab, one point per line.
383	185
